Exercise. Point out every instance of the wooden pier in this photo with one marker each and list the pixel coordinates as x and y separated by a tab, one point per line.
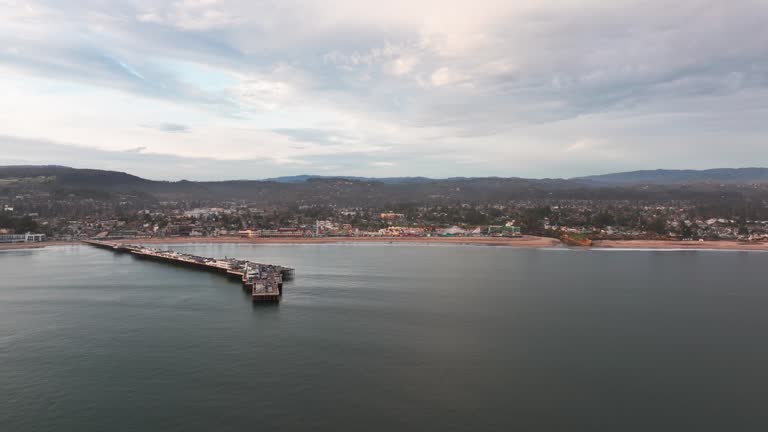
264	282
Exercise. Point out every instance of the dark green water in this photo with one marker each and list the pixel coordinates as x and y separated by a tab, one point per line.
386	337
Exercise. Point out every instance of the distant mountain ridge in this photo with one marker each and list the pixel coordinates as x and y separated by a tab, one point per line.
656	177
674	177
388	180
363	191
754	175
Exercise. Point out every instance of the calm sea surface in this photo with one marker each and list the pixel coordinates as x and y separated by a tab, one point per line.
386	337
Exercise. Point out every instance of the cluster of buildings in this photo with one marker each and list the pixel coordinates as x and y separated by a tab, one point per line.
330	229
709	229
279	232
722	228
74	217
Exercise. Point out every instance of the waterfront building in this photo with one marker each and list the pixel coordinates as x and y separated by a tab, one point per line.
391	216
22	238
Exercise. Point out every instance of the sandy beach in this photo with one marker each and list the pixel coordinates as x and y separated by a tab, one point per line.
525	241
675	244
521	242
38	245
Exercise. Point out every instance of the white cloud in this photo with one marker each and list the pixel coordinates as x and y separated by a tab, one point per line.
445	76
149	17
581	145
262	94
197	15
403	65
486	87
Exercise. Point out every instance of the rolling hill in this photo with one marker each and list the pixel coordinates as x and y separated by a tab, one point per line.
359	191
676	177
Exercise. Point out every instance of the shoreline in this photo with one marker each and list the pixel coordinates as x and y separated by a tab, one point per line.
680	244
525	241
531	242
37	245
519	242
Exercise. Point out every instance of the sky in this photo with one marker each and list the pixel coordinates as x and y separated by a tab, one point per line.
249	89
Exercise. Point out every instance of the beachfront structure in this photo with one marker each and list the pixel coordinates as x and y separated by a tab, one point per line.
22	238
391	216
452	231
396	231
507	230
280	232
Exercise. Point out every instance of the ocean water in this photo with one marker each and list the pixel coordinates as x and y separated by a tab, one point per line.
386	337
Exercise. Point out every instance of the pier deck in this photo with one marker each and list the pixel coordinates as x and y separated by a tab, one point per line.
264	282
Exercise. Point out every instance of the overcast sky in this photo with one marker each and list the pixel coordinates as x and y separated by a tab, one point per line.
207	89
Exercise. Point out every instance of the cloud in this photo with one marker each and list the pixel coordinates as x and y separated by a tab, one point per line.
136	149
382	164
403	65
319	136
194	15
139	162
169	127
445	76
512	87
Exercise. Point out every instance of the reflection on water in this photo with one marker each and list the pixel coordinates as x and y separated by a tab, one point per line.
385	337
